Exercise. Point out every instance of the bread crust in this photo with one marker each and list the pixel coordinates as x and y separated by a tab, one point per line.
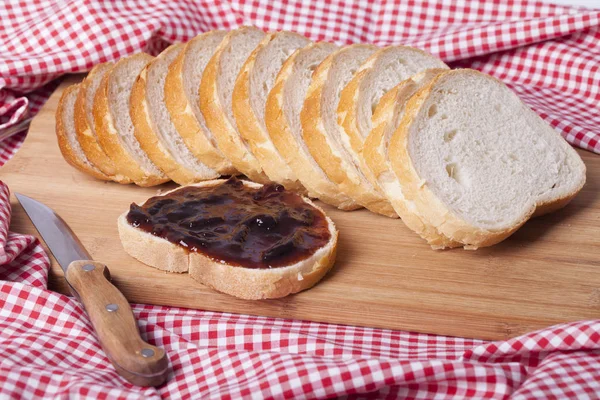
374	156
434	212
227	137
87	140
146	135
158	253
107	135
63	143
184	119
252	130
261	284
316	139
245	283
283	139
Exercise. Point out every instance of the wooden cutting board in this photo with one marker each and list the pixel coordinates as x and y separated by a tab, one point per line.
385	276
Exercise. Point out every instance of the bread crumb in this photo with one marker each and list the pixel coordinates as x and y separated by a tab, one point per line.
300	277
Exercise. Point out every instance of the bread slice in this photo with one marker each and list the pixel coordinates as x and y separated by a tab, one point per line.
114	127
477	162
67	138
245	283
84	124
376	76
282	118
323	135
253	84
154	129
216	91
181	97
386	118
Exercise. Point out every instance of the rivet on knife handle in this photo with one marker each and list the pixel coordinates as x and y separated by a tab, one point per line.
137	361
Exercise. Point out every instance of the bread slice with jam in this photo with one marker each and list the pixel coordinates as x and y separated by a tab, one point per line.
237	237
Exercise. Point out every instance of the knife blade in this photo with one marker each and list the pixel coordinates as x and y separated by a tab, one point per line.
114	323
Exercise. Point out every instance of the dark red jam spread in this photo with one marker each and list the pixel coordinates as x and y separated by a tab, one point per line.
267	227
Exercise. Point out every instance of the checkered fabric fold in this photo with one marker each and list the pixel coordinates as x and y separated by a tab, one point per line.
548	54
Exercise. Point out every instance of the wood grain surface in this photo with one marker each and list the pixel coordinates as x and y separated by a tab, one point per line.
385	276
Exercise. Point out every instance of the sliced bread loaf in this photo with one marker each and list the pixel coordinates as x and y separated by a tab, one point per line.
323	134
216	92
253	84
154	129
386	118
67	138
477	162
376	76
113	122
236	280
282	118
84	124
181	97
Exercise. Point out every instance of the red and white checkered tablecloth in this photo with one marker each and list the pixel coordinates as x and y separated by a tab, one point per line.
550	55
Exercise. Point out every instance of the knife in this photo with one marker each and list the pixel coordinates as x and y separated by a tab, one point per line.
135	360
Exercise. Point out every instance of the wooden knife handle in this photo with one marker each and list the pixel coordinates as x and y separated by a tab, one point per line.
135	360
